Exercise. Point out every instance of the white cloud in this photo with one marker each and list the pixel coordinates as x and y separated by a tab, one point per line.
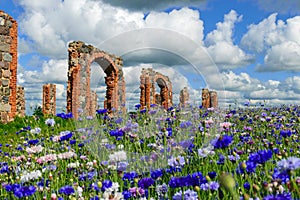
220	41
279	40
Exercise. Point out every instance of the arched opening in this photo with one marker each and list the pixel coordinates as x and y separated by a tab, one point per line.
151	82
79	95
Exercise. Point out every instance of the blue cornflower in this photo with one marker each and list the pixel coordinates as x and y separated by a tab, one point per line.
212	174
283	196
126	194
33	142
290	163
155	174
261	156
50	122
190	195
222	142
65	135
185	124
24	191
106	184
162	189
101	111
285	133
214	185
129	176
144	183
67	190
122	166
247	186
204	186
137	106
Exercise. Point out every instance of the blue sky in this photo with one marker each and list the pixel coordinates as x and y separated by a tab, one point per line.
244	49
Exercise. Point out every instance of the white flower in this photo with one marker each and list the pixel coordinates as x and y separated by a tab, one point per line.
118	156
74	165
30	176
79	191
34	149
35	130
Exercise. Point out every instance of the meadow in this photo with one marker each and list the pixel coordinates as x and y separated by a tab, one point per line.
249	152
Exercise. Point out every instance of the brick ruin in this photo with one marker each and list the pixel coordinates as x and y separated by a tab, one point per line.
209	98
148	79
79	95
184	97
20	101
8	67
94	102
49	99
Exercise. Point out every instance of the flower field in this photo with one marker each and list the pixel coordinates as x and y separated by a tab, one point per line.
180	153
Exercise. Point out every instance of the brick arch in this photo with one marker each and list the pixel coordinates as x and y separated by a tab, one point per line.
81	56
148	96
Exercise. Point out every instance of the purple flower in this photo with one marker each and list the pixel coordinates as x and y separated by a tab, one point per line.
214	185
155	174
204	186
285	133
190	195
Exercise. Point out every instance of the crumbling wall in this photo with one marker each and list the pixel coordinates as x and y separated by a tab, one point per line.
49	99
148	95
184	97
20	101
209	98
8	67
81	57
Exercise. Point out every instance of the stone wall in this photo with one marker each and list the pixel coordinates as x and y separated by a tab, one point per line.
81	56
8	67
148	95
184	97
209	98
20	101
49	99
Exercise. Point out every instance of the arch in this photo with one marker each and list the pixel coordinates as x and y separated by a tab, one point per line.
149	96
81	56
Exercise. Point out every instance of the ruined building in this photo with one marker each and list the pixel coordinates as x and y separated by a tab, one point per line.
79	94
184	97
148	79
49	99
209	98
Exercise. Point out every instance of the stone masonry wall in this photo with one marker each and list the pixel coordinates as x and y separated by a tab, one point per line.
49	99
184	97
8	67
20	101
209	98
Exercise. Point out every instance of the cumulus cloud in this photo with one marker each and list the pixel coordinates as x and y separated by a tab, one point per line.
279	41
220	41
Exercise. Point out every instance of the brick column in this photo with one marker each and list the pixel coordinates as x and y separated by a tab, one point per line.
94	103
184	97
205	98
49	99
213	99
8	67
20	101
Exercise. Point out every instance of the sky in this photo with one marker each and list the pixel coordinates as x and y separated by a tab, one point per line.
246	50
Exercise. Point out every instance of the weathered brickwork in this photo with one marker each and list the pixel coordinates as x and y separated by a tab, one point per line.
49	99
184	97
20	101
209	98
81	56
148	79
94	103
8	67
